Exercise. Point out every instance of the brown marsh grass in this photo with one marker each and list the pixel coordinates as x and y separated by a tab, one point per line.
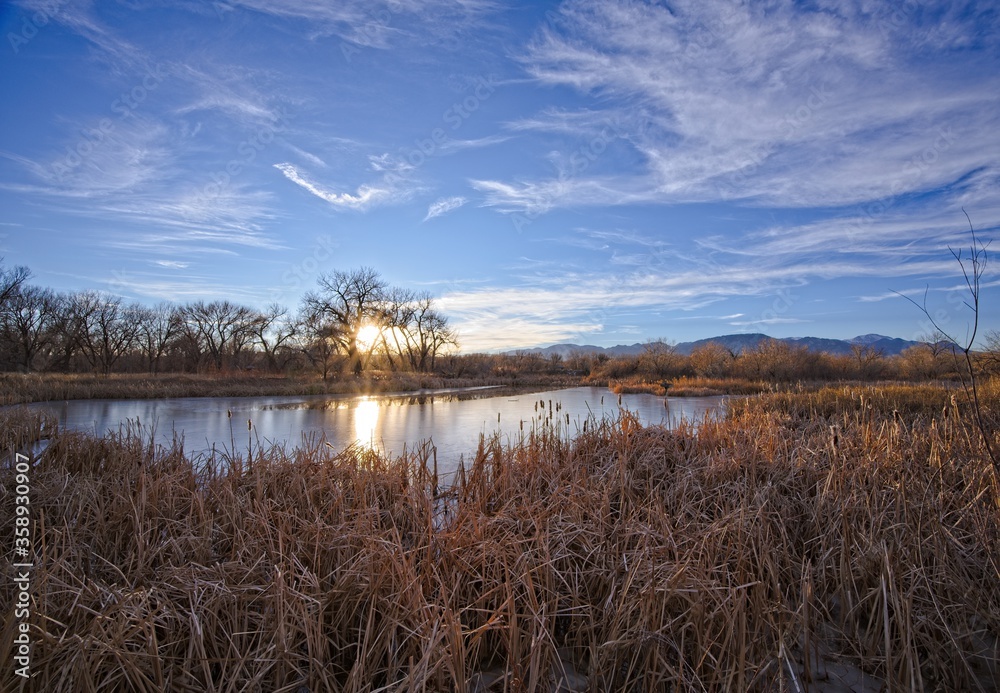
689	387
836	540
633	386
20	388
685	386
704	387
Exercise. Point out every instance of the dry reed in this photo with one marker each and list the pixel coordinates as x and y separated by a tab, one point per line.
839	538
634	386
707	387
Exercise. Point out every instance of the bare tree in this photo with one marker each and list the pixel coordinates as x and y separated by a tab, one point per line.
159	326
318	341
973	266
991	354
938	343
30	316
927	358
659	358
426	334
11	280
397	315
273	331
72	313
112	328
712	360
347	302
868	358
442	337
222	329
918	361
580	362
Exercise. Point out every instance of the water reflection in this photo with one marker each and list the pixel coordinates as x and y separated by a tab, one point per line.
365	421
388	423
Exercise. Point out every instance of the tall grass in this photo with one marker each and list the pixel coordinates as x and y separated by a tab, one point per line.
701	387
844	537
692	386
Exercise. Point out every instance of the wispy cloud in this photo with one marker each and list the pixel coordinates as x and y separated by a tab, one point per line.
828	151
569	306
768	321
123	156
180	288
537	197
498	318
311	158
444	205
478	143
573	306
130	174
960	290
377	23
78	18
363	198
778	105
394	184
734	316
228	90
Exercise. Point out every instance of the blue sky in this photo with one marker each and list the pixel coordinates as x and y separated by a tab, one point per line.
596	172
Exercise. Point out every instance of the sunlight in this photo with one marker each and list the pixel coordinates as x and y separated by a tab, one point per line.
365	421
368	335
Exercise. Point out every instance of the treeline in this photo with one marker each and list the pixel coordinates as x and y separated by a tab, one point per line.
771	361
775	361
354	321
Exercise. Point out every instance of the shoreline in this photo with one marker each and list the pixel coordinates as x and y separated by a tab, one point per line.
17	388
21	388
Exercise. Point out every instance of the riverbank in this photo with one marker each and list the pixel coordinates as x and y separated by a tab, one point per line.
839	539
17	388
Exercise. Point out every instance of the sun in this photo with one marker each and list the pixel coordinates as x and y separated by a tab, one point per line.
367	336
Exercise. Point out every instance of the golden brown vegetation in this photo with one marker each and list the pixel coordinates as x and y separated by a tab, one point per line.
632	386
842	537
705	387
694	386
18	388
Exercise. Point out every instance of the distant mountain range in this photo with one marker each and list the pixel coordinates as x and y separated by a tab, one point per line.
890	346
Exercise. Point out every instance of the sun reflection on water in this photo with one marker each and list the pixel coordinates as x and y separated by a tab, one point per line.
365	422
